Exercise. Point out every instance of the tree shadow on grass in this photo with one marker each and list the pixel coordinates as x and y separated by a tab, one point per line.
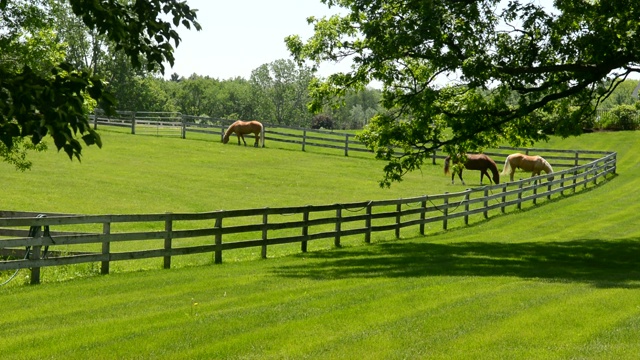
597	262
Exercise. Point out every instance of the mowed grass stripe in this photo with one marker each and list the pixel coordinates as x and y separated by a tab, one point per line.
555	281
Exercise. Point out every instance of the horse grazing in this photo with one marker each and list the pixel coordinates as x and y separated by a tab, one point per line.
241	128
533	163
475	162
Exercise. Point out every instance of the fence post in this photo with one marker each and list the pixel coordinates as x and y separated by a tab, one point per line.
423	214
562	184
535	191
184	126
433	157
586	176
445	211
504	199
486	203
367	224
106	249
336	242
549	191
35	255
575	162
520	195
305	229
265	218
133	123
304	138
466	207
218	251
168	228
398	218
95	119
222	134
595	173
346	145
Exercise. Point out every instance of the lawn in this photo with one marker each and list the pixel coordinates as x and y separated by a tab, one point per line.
559	280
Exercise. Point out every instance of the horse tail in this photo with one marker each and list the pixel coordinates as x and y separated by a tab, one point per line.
261	133
507	166
446	165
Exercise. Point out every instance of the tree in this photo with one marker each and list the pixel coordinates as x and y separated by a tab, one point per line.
194	96
322	121
281	90
355	109
465	75
622	95
51	101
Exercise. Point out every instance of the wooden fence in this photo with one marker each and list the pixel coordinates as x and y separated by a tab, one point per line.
176	124
217	231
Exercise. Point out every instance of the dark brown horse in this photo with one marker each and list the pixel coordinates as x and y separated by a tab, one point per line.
479	162
533	163
240	128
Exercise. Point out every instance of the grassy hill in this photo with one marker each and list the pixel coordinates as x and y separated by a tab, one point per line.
559	280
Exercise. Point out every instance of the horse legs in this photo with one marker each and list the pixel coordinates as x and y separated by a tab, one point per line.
257	140
240	136
460	176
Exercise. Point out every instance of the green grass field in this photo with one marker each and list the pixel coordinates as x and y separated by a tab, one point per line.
555	281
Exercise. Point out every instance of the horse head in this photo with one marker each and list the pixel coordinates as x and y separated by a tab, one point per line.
548	169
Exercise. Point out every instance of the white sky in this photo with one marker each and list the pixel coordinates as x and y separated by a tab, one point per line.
238	36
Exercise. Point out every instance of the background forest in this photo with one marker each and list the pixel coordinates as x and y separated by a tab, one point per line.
275	93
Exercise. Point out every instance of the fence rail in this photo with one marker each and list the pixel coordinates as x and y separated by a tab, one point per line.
214	231
176	124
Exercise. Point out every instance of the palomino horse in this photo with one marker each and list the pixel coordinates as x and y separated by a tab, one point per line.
240	128
475	162
533	163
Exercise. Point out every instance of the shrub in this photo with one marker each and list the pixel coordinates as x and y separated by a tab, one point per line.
621	117
322	121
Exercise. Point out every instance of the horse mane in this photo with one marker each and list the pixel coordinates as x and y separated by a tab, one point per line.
494	167
227	133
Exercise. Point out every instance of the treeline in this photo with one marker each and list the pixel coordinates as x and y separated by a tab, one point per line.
620	111
276	93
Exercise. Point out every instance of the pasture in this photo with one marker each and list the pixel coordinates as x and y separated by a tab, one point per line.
558	280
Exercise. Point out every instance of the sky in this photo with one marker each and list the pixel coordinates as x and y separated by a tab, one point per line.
239	36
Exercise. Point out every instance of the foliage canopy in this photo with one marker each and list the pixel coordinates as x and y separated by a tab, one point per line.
465	75
46	95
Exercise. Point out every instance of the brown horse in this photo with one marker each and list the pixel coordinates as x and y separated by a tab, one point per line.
240	128
475	162
533	163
